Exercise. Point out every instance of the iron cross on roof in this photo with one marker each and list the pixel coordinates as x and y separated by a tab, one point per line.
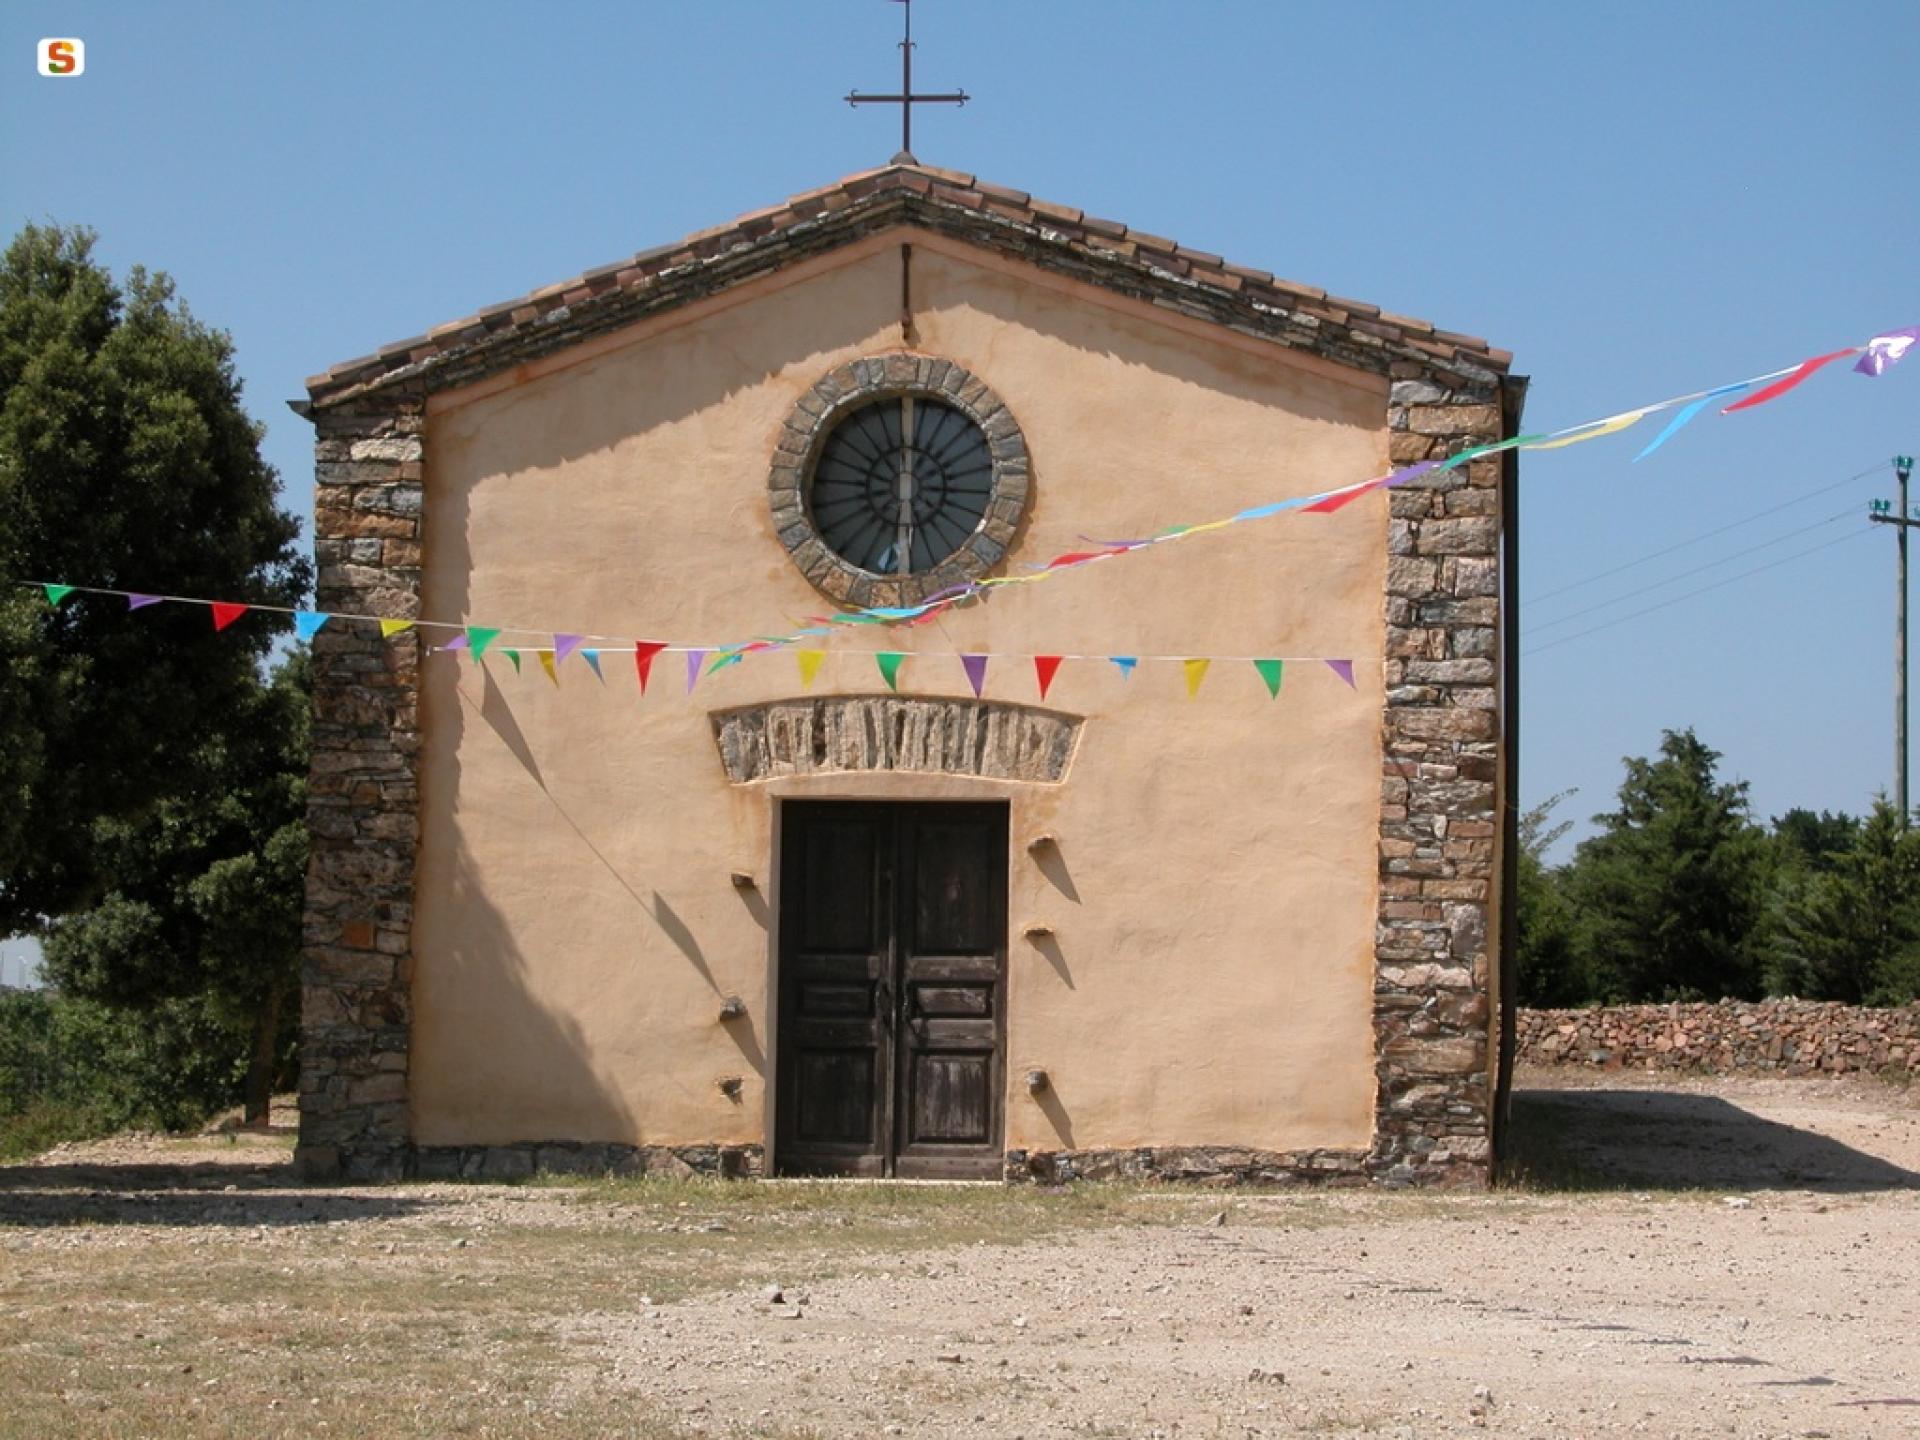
906	99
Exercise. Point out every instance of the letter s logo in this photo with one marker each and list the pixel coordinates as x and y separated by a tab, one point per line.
62	57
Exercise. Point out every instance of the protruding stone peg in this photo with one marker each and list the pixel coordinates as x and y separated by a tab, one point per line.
733	1008
1037	1081
729	1086
1045	840
742	880
1037	930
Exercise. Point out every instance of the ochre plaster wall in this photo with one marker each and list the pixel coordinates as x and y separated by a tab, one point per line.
577	930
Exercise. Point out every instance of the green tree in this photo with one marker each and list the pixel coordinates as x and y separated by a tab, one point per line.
147	772
1810	841
126	462
1670	895
1550	973
1851	929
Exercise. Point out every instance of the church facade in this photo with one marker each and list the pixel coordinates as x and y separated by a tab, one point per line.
967	915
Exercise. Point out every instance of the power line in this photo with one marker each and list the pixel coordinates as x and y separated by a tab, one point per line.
1849	513
1707	535
1718	584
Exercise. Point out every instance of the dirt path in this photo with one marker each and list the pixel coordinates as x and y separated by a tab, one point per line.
1776	1302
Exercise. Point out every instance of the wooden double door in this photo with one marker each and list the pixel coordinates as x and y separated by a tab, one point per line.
893	934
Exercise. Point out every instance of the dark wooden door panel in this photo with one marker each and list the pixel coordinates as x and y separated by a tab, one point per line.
892	988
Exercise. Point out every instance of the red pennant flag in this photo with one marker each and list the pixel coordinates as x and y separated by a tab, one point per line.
1078	557
1044	667
643	653
224	614
1341	497
1787	382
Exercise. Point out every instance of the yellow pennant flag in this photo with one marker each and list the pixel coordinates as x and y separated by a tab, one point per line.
1196	672
546	664
1604	427
391	628
809	665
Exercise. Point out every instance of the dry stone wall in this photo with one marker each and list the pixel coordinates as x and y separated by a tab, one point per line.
1787	1037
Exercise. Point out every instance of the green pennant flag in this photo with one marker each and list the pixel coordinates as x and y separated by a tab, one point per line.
514	656
889	663
479	637
1270	672
57	593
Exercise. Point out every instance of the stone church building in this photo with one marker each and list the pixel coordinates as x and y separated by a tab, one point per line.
780	922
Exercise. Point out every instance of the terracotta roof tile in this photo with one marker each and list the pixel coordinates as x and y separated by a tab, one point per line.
1310	308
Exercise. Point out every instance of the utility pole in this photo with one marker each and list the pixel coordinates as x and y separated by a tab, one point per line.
1903	519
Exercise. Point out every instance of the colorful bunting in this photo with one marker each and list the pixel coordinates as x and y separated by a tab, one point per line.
1196	672
1611	426
810	661
479	637
565	645
57	593
889	663
458	642
976	668
643	653
1044	667
225	613
592	657
1270	671
1344	669
140	602
391	628
1126	664
514	656
694	657
307	623
1334	500
1679	421
547	664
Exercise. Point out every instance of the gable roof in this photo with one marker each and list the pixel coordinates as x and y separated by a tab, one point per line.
1011	222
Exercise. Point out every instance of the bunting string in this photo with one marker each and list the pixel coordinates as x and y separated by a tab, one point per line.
1873	358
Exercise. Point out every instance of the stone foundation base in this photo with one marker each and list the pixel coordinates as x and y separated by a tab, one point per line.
517	1162
1202	1164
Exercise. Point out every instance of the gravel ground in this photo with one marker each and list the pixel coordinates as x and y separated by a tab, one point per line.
1680	1257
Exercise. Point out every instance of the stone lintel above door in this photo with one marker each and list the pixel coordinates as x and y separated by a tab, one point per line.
986	739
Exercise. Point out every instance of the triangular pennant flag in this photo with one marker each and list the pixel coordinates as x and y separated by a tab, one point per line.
592	657
976	668
479	637
1126	664
458	642
307	623
1327	504
140	602
1613	425
643	653
565	645
1044	667
546	664
694	658
1675	425
225	612
809	665
57	593
514	656
889	663
1787	382
726	658
1270	671
1885	351
1196	672
1344	669
391	628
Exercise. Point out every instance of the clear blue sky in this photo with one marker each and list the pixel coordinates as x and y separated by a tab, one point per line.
1636	199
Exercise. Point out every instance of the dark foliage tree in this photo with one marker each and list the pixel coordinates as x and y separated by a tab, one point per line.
147	773
1850	930
1550	973
1670	894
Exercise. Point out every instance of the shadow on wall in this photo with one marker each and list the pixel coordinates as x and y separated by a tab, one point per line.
465	947
1640	1139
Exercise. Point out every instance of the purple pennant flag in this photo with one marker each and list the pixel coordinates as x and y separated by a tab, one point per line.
1885	351
1400	477
458	642
976	668
140	602
694	658
1344	669
565	645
